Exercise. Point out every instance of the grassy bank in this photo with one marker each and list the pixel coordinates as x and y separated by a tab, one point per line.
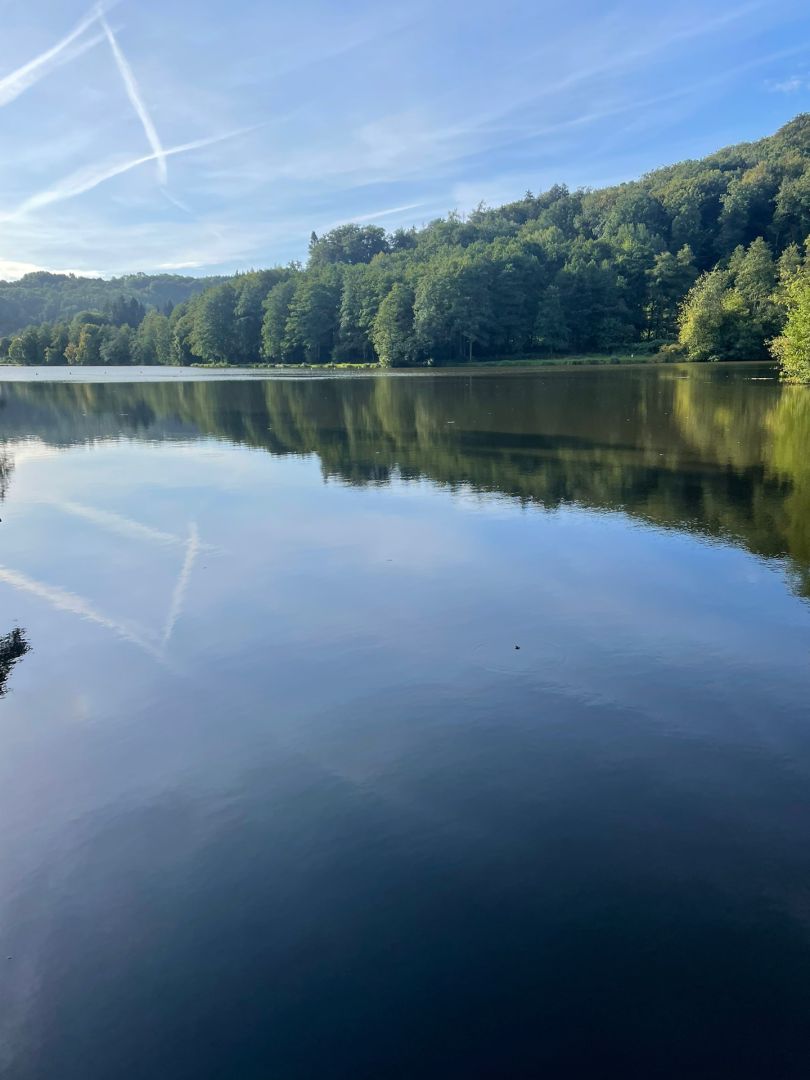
587	360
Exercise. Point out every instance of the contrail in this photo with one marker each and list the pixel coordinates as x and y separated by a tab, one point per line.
11	86
386	213
63	600
177	202
87	179
179	594
117	523
134	95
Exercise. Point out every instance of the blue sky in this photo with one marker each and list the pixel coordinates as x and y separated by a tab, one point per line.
206	137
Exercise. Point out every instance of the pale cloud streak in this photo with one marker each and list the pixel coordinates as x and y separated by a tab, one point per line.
69	602
70	46
117	523
789	86
387	213
181	588
177	202
698	28
86	179
135	97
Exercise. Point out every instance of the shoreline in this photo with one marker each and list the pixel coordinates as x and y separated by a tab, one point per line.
231	373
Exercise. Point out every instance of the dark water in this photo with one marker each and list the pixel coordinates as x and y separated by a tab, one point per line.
280	797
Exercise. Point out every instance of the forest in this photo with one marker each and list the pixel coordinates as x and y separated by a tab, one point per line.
703	260
43	297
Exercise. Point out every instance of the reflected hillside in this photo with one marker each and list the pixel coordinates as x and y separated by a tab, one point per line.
720	451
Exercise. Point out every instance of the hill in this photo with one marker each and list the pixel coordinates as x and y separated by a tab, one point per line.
43	297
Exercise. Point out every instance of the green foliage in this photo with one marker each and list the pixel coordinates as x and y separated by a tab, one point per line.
213	333
550	326
44	297
312	319
792	348
126	311
84	347
275	345
453	306
26	348
393	332
116	348
732	313
348	244
707	322
153	341
669	279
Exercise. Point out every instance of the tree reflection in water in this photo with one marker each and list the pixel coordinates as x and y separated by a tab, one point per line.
12	648
15	644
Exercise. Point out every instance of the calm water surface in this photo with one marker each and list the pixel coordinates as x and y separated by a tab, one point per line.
280	797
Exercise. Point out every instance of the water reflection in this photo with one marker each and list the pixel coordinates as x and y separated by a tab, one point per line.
12	648
6	469
279	796
152	640
718	451
14	645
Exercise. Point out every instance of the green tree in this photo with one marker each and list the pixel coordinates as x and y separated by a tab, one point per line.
85	346
274	325
364	286
251	291
731	314
153	341
126	311
792	347
791	218
313	319
592	300
551	332
347	244
393	333
181	326
670	279
116	348
790	263
453	306
213	335
26	348
57	344
707	322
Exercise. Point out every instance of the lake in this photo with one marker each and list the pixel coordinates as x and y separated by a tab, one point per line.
450	725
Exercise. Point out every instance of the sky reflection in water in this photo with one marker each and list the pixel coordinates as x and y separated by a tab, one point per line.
279	795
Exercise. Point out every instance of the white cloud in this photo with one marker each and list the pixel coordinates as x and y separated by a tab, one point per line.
790	85
12	270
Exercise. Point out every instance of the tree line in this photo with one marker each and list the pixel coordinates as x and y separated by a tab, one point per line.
699	257
43	297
